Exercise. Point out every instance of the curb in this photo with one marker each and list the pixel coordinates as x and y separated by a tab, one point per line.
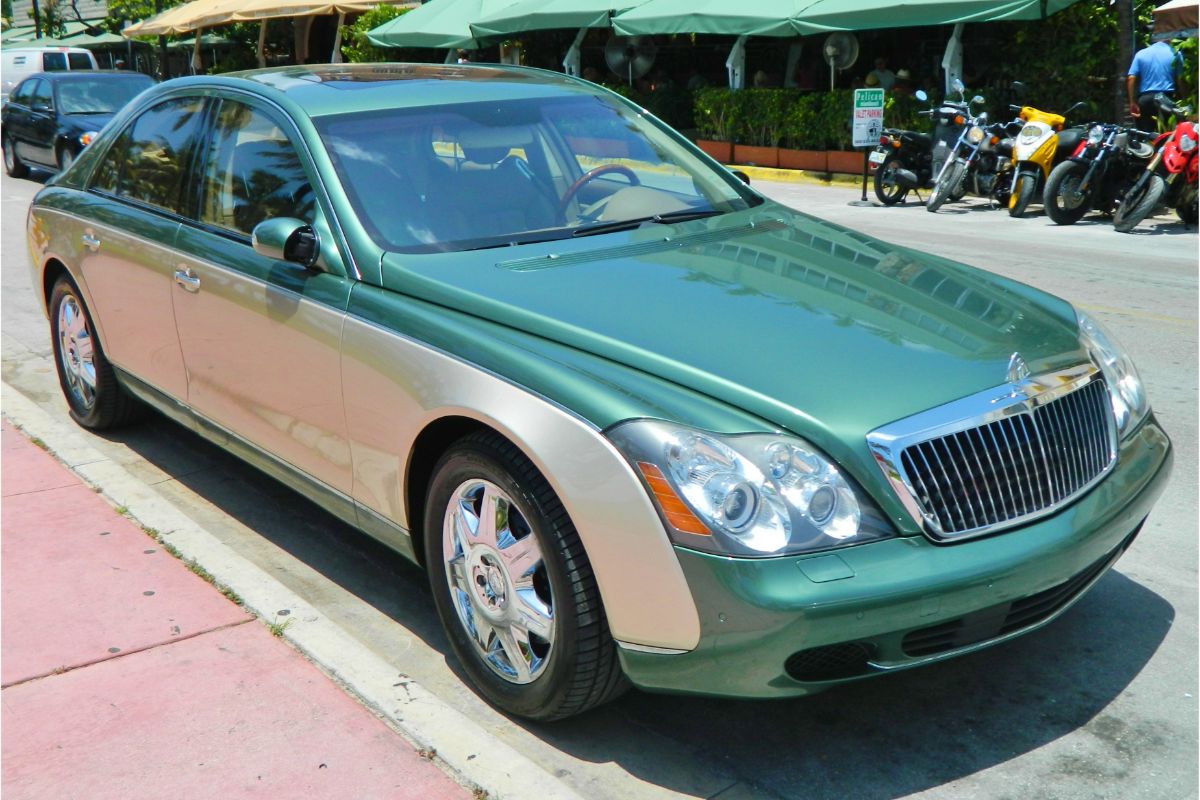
464	749
776	175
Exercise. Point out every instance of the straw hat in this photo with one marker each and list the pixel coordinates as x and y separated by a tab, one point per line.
872	80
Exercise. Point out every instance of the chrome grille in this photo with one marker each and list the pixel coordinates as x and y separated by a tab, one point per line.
1015	466
1021	456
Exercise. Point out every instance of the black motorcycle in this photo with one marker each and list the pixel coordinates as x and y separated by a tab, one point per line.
979	162
903	161
1098	173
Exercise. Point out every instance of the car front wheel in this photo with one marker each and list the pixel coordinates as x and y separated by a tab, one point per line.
513	586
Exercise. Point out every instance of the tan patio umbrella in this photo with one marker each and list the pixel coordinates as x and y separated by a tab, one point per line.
262	10
186	18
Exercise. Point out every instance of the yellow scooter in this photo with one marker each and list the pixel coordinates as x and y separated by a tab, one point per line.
1041	144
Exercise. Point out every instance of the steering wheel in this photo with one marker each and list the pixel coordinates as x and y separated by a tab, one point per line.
591	175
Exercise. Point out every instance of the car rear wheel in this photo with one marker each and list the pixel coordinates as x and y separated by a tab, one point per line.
513	586
12	162
94	397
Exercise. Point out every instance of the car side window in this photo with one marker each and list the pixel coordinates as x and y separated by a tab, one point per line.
54	62
79	61
42	96
24	93
253	172
149	162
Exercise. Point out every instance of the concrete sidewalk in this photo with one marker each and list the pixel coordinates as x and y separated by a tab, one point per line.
125	675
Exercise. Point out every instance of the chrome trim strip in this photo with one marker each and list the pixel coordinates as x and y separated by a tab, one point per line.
970	648
645	648
1012	405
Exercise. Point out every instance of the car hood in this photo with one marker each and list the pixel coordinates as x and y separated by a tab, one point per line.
807	325
82	123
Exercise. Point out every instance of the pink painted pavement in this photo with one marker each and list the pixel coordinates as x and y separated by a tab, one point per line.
220	709
80	583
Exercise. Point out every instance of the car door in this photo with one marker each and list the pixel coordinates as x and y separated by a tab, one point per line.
127	226
39	140
261	336
16	113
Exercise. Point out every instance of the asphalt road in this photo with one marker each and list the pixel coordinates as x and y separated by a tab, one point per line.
1101	704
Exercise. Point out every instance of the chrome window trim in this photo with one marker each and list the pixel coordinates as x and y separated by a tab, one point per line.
887	442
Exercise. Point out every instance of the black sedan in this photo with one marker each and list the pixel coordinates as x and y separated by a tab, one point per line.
51	116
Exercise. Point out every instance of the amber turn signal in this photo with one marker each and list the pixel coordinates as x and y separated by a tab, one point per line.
677	513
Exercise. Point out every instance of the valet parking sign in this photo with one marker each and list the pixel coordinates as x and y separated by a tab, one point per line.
868	117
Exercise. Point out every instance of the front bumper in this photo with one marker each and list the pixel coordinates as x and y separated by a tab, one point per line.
792	626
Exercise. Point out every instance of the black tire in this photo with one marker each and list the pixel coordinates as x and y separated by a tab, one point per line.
1059	197
66	157
1138	203
575	666
102	405
13	164
886	189
947	185
1024	187
1188	211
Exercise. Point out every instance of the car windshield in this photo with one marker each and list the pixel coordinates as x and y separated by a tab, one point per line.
100	96
476	175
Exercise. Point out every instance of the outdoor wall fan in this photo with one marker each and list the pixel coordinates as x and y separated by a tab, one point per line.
841	51
630	56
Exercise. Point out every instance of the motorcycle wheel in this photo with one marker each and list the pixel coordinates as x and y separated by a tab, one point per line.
886	189
1188	211
949	183
1138	203
1024	185
1064	205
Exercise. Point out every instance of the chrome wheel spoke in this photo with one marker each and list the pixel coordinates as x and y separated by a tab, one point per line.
493	516
87	366
458	575
518	653
534	616
522	556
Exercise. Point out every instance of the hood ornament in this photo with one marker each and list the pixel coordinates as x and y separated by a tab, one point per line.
1018	370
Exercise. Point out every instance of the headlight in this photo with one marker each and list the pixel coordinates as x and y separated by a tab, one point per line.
975	135
1095	135
1186	143
746	495
1129	400
1030	134
87	138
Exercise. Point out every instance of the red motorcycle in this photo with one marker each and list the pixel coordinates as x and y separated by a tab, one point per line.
1169	177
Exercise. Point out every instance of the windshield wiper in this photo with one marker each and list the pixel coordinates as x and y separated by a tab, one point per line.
682	215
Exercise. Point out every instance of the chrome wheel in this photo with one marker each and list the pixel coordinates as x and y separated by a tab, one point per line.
498	582
76	353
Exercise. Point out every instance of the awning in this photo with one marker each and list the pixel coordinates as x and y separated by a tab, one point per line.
1177	19
741	18
185	18
799	17
254	10
541	15
438	23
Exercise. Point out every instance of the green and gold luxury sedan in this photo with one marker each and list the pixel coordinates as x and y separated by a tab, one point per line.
638	423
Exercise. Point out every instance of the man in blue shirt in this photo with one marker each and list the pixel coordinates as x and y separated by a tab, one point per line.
1154	69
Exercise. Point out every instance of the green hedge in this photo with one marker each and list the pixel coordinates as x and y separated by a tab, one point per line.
790	118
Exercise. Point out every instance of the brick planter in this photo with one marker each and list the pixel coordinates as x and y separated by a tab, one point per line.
757	156
812	160
849	162
721	151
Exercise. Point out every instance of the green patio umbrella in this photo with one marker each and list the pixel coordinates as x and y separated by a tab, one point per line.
540	15
438	23
858	15
742	18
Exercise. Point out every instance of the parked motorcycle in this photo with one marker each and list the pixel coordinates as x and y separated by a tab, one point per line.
1169	176
979	162
1097	174
1041	145
903	161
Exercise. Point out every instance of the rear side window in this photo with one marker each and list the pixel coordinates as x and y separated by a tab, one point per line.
24	93
79	60
42	96
149	162
54	62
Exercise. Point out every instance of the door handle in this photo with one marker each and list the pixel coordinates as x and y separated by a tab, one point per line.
187	279
90	241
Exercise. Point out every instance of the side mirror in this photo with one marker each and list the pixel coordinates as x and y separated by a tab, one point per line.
977	99
958	86
40	108
920	95
286	239
1076	107
1018	88
743	177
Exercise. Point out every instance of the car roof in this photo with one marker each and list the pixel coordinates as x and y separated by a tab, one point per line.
86	74
323	89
